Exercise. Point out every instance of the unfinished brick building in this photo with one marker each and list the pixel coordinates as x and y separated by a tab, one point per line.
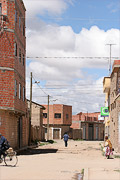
60	120
37	129
93	128
13	105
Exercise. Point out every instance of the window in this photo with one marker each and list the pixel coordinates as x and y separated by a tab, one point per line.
115	104
111	107
15	88
44	115
23	30
23	93
0	8
23	59
19	55
95	119
57	115
67	116
19	22
15	49
15	16
19	91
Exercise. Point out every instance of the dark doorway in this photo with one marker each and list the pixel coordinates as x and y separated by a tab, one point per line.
91	132
20	132
56	133
84	132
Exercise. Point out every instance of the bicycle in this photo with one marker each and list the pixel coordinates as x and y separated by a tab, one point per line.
9	158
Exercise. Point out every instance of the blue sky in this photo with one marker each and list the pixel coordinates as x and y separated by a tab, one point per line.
71	28
85	13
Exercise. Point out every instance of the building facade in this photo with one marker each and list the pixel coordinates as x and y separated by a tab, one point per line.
60	120
106	90
92	127
114	107
37	129
13	105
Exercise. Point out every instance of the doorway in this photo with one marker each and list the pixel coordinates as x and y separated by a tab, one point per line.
56	133
91	132
20	132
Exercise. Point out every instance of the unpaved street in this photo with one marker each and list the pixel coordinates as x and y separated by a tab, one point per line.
64	164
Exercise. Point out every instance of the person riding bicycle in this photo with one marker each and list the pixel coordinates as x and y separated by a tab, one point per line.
3	145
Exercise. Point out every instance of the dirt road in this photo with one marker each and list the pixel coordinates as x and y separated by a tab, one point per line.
55	162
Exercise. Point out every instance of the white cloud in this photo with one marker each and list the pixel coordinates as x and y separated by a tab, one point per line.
41	7
74	87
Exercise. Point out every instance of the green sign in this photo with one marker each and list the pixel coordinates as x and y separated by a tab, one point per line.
104	112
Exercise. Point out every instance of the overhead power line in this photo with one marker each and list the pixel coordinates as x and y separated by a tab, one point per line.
62	57
69	57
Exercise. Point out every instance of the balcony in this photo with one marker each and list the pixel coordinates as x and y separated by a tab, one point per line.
106	84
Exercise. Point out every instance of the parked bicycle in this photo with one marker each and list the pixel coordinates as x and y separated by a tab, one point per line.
9	157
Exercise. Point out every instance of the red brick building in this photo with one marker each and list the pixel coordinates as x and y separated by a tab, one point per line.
93	128
60	120
13	105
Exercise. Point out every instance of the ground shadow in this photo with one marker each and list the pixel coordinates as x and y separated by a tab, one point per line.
32	151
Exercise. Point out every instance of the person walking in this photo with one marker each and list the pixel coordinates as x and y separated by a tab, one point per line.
108	147
66	137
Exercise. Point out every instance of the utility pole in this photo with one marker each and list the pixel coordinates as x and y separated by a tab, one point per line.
110	58
30	108
48	120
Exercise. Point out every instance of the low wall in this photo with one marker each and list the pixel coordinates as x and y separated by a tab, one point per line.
37	133
77	134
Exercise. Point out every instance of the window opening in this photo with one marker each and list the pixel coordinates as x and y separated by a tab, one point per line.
57	115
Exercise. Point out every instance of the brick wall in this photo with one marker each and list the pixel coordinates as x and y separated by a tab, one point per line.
11	68
75	122
67	114
9	128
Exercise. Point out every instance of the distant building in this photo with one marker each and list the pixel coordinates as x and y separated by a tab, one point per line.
60	120
14	124
93	129
37	129
106	90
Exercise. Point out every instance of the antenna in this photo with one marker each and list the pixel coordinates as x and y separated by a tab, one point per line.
110	58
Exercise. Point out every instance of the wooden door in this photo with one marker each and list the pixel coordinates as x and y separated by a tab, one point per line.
56	133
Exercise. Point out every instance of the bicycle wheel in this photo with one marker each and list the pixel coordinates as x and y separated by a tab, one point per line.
11	160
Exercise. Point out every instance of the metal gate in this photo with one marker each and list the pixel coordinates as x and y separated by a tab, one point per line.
84	132
97	133
91	132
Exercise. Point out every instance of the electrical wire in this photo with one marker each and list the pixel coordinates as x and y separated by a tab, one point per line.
64	57
39	86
